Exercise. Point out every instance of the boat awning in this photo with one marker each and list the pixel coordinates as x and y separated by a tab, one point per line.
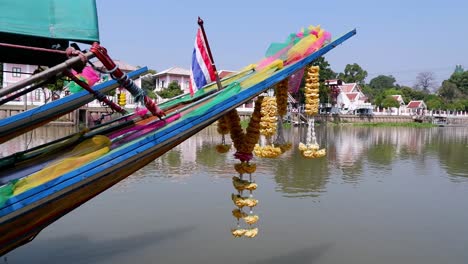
45	24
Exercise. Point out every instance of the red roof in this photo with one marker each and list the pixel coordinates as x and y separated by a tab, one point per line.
398	97
347	88
352	96
415	104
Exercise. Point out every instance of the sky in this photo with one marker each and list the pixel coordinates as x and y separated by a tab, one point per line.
398	38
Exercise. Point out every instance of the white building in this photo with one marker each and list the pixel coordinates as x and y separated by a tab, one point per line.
401	108
350	99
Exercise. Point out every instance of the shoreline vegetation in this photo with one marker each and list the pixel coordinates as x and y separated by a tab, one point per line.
389	124
286	125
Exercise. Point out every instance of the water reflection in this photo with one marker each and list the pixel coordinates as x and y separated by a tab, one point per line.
353	154
392	194
34	138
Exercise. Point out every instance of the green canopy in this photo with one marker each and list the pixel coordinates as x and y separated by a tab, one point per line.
49	24
57	19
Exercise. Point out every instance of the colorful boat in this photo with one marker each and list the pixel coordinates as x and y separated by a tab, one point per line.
41	185
26	121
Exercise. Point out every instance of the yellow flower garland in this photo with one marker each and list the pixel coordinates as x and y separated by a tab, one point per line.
311	91
281	92
223	129
268	129
245	143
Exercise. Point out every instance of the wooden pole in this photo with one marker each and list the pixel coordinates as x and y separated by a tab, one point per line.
57	69
218	82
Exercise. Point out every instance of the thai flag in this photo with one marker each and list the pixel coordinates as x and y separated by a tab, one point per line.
202	71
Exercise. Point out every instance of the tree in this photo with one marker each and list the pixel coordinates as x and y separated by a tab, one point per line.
369	92
457	105
460	79
148	82
382	97
389	101
326	73
449	91
55	86
172	90
382	82
353	73
434	102
425	81
409	94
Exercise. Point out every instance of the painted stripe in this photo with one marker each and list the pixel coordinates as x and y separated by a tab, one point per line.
160	137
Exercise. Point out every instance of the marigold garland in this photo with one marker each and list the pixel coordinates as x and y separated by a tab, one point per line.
245	143
237	134
268	125
281	92
268	119
223	129
311	91
311	149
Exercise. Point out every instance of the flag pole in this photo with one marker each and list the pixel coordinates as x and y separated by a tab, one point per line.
218	82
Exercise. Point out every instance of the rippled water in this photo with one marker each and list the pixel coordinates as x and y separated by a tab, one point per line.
382	195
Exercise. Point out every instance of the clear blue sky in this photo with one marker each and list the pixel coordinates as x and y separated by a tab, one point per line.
399	38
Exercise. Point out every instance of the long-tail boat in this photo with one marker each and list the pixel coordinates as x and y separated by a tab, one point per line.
40	185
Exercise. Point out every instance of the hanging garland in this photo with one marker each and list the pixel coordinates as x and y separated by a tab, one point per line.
312	91
311	149
281	92
268	123
223	129
245	143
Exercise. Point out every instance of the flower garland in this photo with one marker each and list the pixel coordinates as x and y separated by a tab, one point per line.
281	92
312	91
268	125
223	129
312	149
245	143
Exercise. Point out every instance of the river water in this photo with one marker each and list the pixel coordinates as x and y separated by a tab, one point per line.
382	195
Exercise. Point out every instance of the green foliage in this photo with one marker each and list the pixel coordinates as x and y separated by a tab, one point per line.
461	81
369	92
55	85
407	93
353	73
449	91
151	94
148	82
326	73
435	103
171	91
458	105
382	82
393	91
389	101
386	124
111	92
